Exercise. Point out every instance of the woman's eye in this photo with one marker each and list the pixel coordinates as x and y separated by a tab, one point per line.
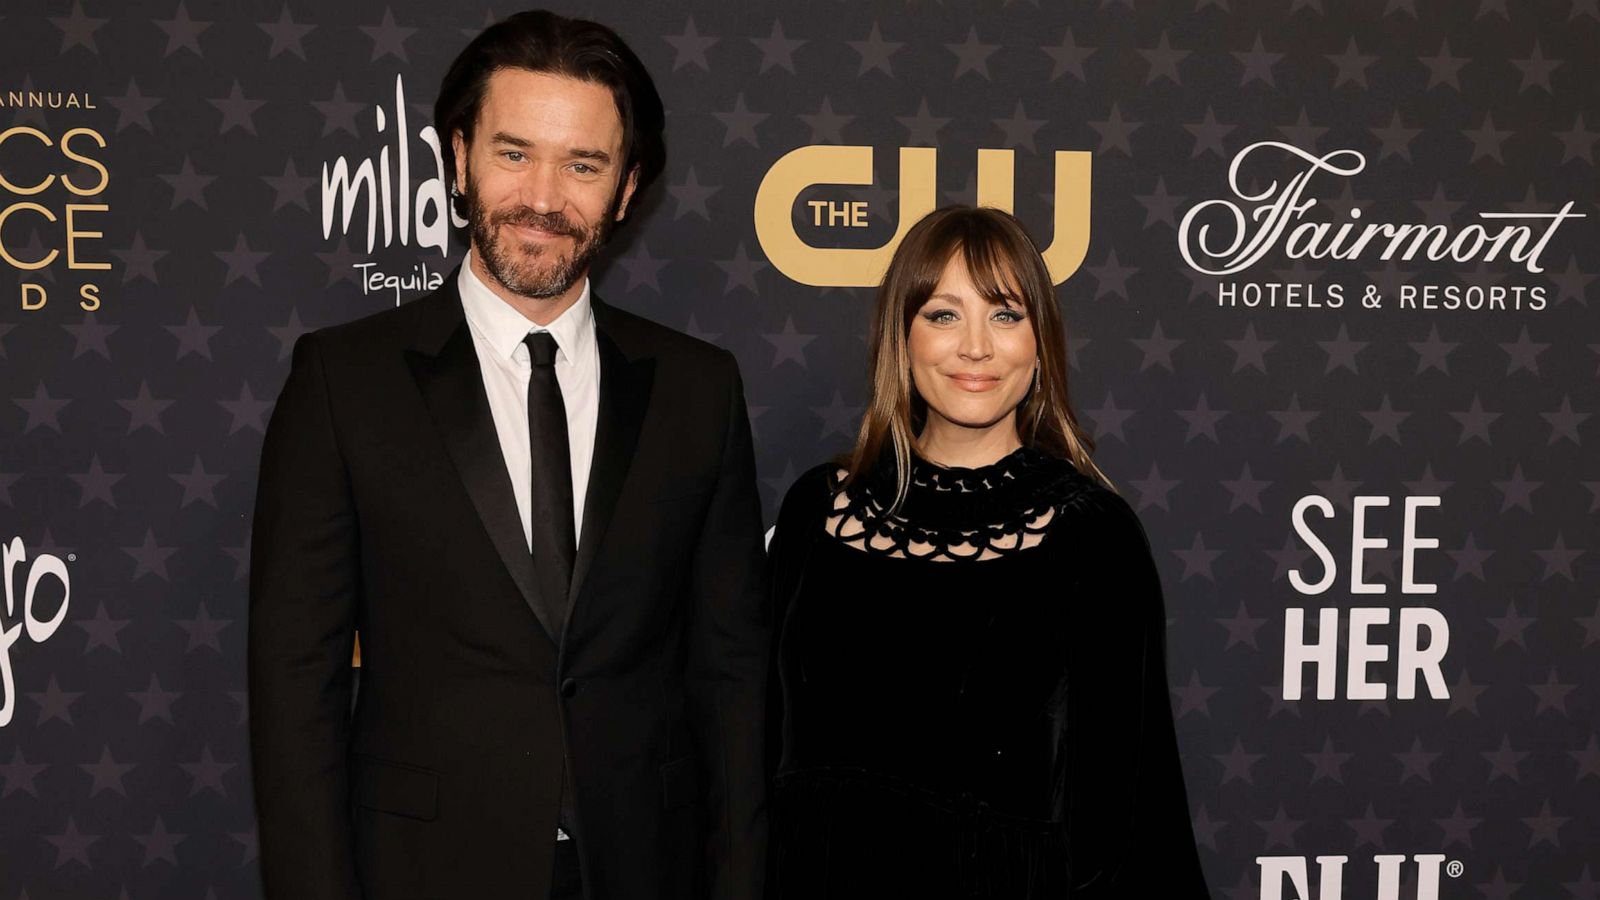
940	317
1009	316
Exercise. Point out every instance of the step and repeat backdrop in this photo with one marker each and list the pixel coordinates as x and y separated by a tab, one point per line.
1327	268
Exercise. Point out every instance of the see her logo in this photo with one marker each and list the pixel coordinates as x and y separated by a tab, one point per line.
37	595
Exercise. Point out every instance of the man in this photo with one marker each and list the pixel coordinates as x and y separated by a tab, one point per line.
540	514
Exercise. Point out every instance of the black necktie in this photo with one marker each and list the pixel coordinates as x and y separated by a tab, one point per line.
555	546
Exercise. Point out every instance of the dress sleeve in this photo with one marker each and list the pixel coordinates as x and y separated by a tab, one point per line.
799	523
1124	805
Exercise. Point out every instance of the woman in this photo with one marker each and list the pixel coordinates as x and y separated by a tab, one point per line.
972	699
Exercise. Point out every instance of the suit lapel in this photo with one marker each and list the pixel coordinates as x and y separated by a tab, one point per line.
625	383
445	365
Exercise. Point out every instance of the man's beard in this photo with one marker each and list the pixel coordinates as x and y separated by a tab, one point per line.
531	270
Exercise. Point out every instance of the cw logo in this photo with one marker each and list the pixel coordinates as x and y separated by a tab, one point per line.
839	267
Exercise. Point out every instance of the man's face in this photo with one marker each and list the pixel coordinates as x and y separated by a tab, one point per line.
540	178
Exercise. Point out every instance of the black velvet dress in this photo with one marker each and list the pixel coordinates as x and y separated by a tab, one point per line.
973	692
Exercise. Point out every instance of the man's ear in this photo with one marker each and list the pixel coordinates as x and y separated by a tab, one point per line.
627	193
458	144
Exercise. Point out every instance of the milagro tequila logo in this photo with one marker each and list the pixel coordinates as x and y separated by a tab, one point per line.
395	211
1227	236
24	617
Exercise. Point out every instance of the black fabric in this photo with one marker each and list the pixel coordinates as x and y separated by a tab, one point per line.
952	726
385	507
554	537
566	876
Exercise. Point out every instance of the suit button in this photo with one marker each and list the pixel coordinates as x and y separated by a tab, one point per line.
569	687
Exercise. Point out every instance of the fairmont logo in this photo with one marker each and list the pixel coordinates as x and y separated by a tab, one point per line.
25	617
1223	237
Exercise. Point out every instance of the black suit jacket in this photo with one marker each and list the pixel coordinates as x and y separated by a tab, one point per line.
384	506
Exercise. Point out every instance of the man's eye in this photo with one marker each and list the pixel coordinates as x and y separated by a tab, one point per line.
584	169
514	155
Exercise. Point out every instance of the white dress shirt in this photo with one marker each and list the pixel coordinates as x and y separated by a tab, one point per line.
497	333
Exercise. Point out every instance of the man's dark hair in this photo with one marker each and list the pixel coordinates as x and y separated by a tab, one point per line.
542	41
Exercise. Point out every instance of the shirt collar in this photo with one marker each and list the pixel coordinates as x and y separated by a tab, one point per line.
504	328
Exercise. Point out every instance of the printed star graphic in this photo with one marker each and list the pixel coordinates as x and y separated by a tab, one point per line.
741	271
287	333
1208	134
90	336
1546	826
972	55
1245	490
138	261
838	417
1280	829
1416	762
1197	559
1588	759
1457	828
1385	422
642	268
1475	422
827	126
341	263
197	485
1536	70
18	775
1108	420
242	262
42	409
193	337
922	129
1469	559
1067	58
1591	625
107	773
1153	489
1570	285
1293	421
691	196
1241	627
251	843
237	111
1237	763
1351	65
203	630
71	844
286	35
740	123
1163	60
1194	697
1433	353
159	844
690	47
1444	68
1564	421
77	29
1552	694
1327	762
1585	888
1250	350
1111	277
101	630
150	558
1396	139
777	49
183	33
133	108
1369	829
247	411
388	37
1114	132
1019	130
1157	349
144	411
1303	134
1486	140
96	484
207	773
338	112
54	703
1258	63
188	186
1202	418
875	52
1160	206
789	344
1205	830
1518	491
154	703
1337	487
1510	627
289	188
1578	143
1503	762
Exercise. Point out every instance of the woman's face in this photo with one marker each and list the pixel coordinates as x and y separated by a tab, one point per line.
971	360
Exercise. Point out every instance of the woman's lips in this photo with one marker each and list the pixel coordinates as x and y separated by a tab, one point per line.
975	383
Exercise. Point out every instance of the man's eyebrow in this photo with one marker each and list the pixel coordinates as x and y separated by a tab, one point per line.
505	137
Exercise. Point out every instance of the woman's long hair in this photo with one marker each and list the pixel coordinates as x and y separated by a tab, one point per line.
1004	265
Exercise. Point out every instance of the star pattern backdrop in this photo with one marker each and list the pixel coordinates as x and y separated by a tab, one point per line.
130	423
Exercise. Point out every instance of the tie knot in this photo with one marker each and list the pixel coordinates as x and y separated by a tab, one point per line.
541	348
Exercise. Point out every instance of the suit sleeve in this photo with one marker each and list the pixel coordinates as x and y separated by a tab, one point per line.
1121	722
304	585
729	630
